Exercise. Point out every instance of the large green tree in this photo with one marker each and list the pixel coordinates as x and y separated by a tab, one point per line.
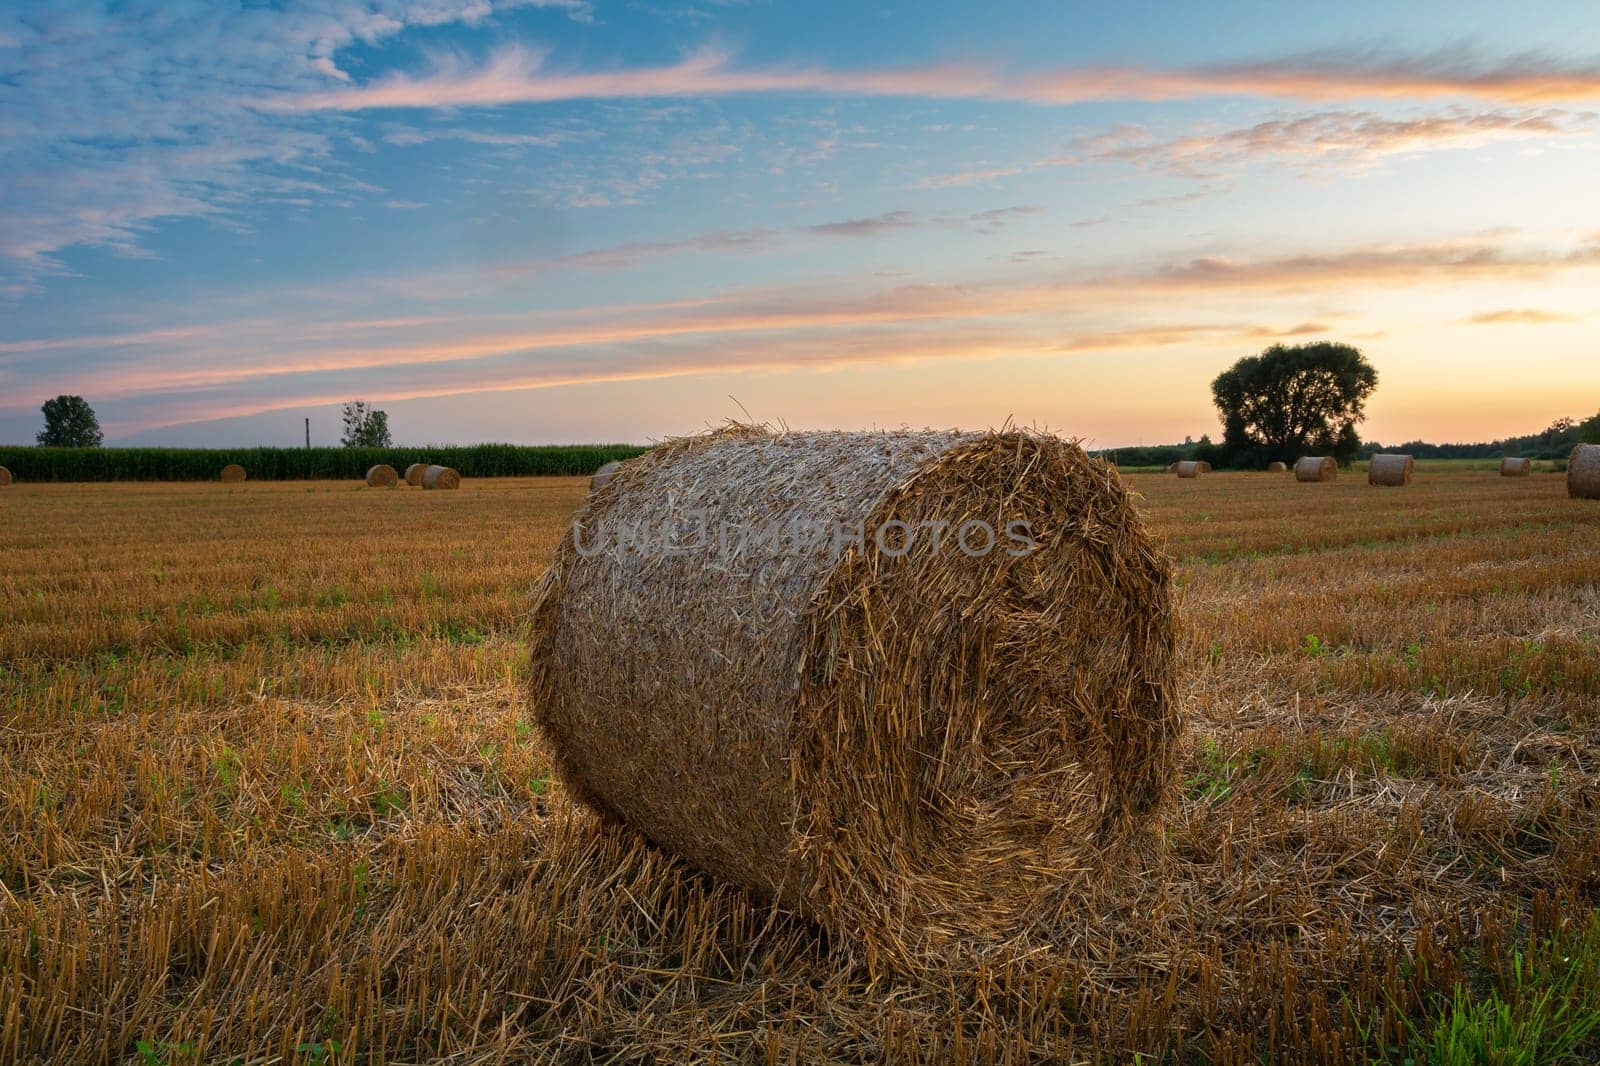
69	422
1294	400
365	426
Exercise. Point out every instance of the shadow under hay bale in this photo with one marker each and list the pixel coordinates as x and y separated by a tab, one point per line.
382	476
440	477
1391	469
1583	472
1510	467
924	746
604	475
1188	469
233	473
1316	468
414	474
1276	467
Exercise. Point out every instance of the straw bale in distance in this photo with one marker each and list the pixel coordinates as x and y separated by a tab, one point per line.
1316	468
1172	467
1276	467
414	474
1510	467
1583	472
1390	469
1187	469
1205	466
5	476
810	717
382	476
233	473
604	475
440	477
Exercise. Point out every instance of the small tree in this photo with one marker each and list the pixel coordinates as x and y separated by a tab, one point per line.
365	426
69	422
1293	401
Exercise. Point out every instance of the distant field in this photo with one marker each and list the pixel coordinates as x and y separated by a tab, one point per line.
268	790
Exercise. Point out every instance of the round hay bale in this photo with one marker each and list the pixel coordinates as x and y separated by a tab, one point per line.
758	652
233	473
1205	467
382	476
1390	469
5	477
440	477
1583	472
1510	467
1276	467
604	475
1188	469
414	474
1316	468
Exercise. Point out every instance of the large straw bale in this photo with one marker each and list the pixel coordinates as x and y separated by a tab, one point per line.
414	474
1188	469
5	477
1316	468
604	475
1276	467
922	747
1512	467
440	477
382	476
1390	469
1583	472
233	473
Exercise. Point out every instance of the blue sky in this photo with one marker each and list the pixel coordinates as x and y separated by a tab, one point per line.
578	220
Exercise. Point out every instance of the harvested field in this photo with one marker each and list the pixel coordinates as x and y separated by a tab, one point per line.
274	793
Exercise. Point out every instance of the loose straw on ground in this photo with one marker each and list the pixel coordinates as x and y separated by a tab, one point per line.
1510	467
1583	472
233	473
440	477
382	476
922	743
1316	468
1390	469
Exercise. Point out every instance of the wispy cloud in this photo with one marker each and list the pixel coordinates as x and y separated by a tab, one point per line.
525	75
1518	316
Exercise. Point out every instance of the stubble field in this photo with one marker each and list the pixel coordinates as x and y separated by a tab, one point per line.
269	792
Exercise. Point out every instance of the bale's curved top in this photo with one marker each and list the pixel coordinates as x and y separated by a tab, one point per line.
1390	469
1515	467
1583	472
233	473
1316	468
382	476
604	475
5	476
440	477
923	745
414	474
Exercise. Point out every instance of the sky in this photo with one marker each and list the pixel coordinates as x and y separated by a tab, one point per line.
616	220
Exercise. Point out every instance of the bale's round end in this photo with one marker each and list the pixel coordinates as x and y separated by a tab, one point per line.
1316	468
5	477
382	476
1390	469
440	477
604	475
1583	472
1510	467
414	474
919	686
233	473
1276	467
1188	469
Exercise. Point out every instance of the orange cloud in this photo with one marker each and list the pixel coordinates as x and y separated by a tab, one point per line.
1519	316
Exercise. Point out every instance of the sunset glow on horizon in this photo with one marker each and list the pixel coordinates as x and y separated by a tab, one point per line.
568	220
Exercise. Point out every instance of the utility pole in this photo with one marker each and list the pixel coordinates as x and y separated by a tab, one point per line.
308	434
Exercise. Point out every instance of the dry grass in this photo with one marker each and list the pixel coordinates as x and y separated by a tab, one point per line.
268	793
